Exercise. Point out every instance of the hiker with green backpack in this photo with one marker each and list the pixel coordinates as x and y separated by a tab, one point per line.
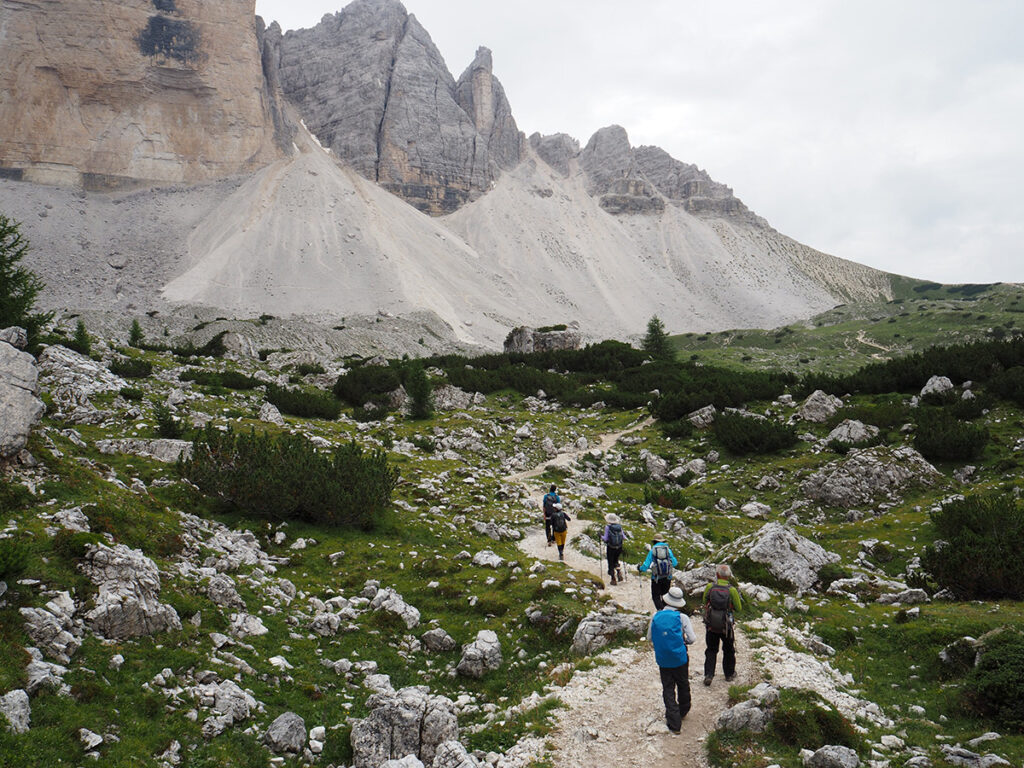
614	538
660	561
721	599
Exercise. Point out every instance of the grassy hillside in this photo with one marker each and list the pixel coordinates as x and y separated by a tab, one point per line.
450	470
849	336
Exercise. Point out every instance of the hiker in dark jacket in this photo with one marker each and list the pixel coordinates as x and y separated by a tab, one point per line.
661	561
548	504
670	632
720	600
559	527
614	538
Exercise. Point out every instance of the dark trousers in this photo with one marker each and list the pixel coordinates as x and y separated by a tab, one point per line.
728	653
613	559
675	691
658	588
547	529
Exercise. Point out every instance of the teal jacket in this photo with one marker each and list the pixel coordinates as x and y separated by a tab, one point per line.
650	556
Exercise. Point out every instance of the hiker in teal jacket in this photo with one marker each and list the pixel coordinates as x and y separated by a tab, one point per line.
661	569
719	606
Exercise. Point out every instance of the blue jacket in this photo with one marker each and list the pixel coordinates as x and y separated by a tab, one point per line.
650	556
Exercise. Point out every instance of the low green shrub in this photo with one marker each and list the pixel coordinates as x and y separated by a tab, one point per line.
229	379
679	429
366	383
831	572
634	473
977	555
994	687
804	720
285	477
167	424
306	369
13	496
132	393
309	405
131	368
743	435
72	545
13	558
666	495
942	437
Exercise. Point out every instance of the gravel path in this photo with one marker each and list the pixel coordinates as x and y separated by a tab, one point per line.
614	715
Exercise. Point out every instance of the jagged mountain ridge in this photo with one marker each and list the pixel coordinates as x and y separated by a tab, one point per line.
534	232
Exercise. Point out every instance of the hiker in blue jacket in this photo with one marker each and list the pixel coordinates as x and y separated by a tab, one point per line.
661	561
670	631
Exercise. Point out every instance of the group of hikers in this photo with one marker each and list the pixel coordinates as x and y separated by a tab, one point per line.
670	630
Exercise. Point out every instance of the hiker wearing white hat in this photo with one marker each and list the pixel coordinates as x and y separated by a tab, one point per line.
614	537
670	631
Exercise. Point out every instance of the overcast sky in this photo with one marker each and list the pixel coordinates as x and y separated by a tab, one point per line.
884	132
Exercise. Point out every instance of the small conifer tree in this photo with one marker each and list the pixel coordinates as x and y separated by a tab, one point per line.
135	335
417	385
655	341
18	285
82	342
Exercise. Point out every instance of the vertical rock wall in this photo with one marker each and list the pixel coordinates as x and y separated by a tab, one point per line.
97	92
372	86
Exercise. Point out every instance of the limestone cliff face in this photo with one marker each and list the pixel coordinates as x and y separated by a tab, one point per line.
100	92
372	86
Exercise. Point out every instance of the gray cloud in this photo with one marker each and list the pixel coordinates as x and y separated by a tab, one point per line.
881	132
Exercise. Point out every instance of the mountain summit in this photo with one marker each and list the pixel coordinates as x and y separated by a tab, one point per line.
343	170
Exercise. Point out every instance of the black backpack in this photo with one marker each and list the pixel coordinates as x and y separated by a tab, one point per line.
558	520
549	503
615	536
718	609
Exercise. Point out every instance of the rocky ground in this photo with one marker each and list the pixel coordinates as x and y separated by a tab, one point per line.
239	627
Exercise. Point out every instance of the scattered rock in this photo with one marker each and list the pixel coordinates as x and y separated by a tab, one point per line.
165	450
833	756
15	707
852	431
20	408
481	656
596	630
819	407
52	627
438	641
745	716
287	734
937	385
389	600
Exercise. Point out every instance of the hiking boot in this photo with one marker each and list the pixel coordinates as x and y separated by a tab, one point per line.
707	679
730	678
561	556
613	580
618	572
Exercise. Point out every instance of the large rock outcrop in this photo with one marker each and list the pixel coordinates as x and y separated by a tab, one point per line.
372	86
127	604
523	340
789	556
20	408
99	93
406	722
868	475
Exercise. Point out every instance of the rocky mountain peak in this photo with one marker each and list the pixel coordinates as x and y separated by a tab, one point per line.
372	86
556	150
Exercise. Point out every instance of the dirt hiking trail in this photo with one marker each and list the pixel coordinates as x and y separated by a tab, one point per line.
614	714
